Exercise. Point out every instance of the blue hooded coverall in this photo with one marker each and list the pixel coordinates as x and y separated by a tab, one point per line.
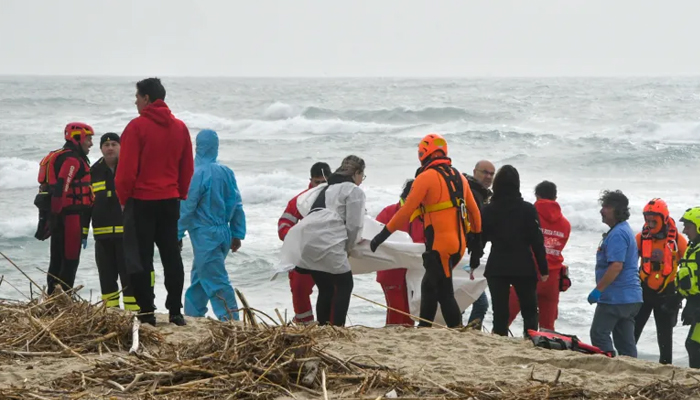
213	215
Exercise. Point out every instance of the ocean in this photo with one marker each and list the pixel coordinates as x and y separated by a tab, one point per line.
641	136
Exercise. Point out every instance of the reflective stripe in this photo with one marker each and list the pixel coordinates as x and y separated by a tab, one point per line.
305	315
283	225
108	229
111	299
98	186
290	217
431	208
695	337
153	278
109	193
86	231
130	303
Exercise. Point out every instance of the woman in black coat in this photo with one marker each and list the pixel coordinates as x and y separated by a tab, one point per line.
512	226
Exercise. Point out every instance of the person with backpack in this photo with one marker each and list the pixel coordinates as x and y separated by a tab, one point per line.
452	226
65	199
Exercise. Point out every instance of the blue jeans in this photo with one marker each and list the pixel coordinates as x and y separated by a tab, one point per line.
479	308
617	319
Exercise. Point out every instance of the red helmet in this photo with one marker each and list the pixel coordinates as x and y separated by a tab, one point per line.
77	131
430	144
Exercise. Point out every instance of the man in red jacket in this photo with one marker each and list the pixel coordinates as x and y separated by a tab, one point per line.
555	229
301	284
153	175
393	281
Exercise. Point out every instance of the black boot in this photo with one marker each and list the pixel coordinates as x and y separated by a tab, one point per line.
148	319
178	319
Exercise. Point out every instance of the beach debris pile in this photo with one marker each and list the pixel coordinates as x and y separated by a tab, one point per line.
65	325
233	360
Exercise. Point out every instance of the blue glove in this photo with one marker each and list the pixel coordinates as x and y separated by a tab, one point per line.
594	296
84	243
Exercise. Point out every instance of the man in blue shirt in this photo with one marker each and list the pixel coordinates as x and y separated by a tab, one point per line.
618	291
213	215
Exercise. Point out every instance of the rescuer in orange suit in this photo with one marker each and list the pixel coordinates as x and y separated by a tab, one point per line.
452	223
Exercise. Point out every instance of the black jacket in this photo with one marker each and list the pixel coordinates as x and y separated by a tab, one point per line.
512	225
481	194
107	222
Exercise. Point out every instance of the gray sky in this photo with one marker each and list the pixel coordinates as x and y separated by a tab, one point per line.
350	38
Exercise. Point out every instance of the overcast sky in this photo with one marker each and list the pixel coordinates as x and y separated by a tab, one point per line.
350	38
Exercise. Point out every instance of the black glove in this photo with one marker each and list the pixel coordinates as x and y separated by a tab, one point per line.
379	239
474	245
179	245
691	313
474	261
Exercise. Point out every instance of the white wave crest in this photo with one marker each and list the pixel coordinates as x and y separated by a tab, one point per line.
17	173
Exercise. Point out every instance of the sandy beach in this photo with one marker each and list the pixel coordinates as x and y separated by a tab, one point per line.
438	357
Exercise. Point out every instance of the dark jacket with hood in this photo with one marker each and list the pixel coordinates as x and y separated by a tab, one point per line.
512	226
481	194
155	161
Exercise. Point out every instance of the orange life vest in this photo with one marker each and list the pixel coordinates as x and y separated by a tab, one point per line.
658	274
80	193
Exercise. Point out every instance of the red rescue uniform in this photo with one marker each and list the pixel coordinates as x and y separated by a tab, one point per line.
301	284
393	281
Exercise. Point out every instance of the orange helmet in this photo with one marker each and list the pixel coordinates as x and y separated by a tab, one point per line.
430	144
76	131
657	209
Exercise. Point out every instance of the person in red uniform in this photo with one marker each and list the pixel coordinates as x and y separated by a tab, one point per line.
301	284
393	281
555	229
154	173
65	197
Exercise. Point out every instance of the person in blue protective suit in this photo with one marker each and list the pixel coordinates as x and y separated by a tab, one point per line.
213	215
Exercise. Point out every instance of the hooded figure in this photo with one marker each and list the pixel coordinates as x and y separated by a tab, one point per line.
213	215
556	230
513	228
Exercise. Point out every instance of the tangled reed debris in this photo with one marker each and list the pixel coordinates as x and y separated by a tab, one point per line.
61	325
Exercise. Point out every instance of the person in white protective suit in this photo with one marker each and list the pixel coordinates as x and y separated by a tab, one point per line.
325	237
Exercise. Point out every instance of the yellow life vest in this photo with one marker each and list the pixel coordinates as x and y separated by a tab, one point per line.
687	278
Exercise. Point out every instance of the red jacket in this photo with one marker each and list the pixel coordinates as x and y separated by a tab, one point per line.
414	229
397	277
155	161
555	229
290	217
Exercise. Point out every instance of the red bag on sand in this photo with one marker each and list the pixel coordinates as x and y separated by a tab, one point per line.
558	341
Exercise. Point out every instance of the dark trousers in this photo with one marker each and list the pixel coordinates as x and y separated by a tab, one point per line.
334	292
66	241
109	257
525	289
149	222
436	288
665	321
